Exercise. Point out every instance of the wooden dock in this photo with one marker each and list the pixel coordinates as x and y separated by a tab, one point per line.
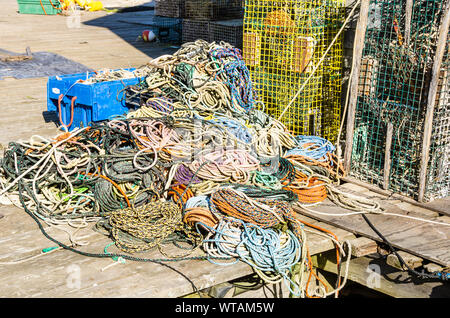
113	43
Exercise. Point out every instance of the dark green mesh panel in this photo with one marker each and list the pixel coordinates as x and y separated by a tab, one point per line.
393	88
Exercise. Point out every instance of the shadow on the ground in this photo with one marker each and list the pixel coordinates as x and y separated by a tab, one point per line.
129	23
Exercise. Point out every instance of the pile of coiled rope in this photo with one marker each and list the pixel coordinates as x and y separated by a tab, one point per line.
196	164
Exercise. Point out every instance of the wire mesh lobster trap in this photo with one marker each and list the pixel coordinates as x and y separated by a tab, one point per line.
283	42
229	31
403	91
169	8
211	10
168	30
193	30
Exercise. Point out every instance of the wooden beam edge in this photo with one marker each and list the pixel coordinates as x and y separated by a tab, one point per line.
442	39
394	195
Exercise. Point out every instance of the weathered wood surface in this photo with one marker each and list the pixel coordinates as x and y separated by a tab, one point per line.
363	246
411	260
440	206
98	41
372	271
428	124
408	15
387	156
430	241
57	274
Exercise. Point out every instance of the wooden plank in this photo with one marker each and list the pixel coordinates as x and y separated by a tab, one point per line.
411	260
417	210
373	273
440	206
248	287
444	218
25	100
100	42
431	267
264	291
17	217
363	246
66	274
440	49
358	48
28	243
352	187
41	276
387	156
425	240
20	232
261	292
50	275
408	15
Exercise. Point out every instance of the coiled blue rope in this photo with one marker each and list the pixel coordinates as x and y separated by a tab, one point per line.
260	248
237	76
236	128
442	275
312	147
198	201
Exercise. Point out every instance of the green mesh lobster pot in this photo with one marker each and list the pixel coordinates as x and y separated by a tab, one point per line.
401	138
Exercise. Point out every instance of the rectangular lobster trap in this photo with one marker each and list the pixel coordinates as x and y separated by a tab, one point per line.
169	8
168	30
211	10
229	31
399	134
193	30
283	42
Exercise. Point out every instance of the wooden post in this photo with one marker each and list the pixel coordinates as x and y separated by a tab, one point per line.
428	125
354	80
387	156
408	14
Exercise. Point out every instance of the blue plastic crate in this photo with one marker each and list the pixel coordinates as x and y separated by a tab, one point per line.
78	104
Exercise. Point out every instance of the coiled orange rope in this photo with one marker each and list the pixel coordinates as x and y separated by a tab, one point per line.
200	215
180	191
262	212
309	257
308	189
